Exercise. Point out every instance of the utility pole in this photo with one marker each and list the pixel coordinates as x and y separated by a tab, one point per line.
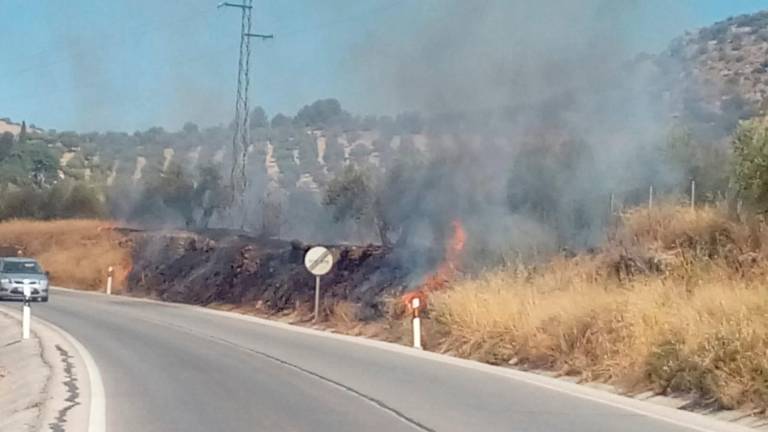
240	139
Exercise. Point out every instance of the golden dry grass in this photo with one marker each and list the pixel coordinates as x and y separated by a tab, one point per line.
77	253
699	328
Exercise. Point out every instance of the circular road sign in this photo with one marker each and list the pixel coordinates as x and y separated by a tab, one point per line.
318	260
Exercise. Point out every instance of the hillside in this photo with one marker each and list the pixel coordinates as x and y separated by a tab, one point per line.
719	74
534	154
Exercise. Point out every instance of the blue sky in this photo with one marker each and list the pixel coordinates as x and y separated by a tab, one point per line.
131	64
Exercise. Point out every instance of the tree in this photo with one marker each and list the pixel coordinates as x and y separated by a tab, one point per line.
360	154
23	132
322	113
174	190
54	200
334	155
69	139
280	120
356	196
308	157
750	164
258	118
190	128
210	193
21	203
31	163
6	145
82	202
697	160
351	195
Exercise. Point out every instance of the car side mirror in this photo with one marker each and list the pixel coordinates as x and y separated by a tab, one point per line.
47	274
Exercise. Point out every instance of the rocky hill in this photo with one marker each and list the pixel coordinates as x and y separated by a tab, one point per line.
719	74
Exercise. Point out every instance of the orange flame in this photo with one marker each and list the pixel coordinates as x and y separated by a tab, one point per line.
447	270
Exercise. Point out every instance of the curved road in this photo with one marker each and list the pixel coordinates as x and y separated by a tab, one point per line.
178	368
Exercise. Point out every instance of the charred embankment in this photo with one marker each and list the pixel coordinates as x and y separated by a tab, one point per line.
225	267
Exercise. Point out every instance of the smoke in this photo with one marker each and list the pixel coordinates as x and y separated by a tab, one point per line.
536	113
530	117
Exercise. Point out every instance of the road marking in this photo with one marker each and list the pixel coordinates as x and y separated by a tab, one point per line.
685	419
97	417
97	411
369	399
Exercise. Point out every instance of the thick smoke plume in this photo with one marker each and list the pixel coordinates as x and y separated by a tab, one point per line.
535	114
520	120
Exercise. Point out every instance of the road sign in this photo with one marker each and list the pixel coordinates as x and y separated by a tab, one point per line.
318	260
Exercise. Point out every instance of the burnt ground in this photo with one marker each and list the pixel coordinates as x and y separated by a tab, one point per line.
230	267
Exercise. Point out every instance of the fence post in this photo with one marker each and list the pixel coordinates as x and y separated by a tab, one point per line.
693	194
650	197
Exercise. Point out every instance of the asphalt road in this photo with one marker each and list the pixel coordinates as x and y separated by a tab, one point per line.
169	368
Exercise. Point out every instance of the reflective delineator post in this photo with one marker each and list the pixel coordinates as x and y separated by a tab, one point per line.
26	314
110	271
415	306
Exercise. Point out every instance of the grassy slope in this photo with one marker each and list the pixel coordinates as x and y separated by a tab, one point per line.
696	322
675	302
76	252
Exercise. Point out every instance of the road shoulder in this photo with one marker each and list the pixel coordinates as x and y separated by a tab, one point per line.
24	377
47	386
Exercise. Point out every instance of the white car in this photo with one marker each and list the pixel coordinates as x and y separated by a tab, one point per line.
17	273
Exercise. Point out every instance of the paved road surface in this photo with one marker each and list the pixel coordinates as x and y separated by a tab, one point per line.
169	368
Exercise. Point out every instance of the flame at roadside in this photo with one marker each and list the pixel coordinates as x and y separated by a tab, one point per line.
448	268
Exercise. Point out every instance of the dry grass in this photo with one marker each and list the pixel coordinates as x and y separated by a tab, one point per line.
700	327
77	253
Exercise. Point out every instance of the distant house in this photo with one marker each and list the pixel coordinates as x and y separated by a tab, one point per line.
6	125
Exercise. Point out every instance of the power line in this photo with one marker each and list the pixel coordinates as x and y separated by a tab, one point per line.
136	98
240	139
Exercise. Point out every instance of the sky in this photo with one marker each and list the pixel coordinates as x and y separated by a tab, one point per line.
132	64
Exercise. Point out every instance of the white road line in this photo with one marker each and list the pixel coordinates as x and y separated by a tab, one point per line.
97	417
689	420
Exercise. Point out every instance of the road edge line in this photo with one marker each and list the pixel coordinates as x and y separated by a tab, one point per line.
97	416
688	419
97	399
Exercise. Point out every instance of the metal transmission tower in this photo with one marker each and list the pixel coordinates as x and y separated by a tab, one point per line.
240	139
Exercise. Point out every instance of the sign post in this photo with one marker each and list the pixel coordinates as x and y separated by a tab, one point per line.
26	313
319	262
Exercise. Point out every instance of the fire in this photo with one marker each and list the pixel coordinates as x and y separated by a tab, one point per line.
447	270
107	227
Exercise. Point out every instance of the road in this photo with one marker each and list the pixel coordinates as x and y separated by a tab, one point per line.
175	368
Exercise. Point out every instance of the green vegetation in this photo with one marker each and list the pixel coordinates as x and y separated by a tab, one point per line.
750	162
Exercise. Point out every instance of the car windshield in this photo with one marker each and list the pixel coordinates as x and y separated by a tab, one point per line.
26	267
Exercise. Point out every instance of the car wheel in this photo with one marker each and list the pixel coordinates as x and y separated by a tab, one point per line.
44	299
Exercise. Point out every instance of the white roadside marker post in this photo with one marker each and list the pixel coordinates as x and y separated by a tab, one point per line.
415	306
26	313
110	271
